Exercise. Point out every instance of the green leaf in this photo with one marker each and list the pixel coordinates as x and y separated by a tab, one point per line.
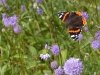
38	73
7	72
3	69
31	64
20	56
3	59
33	51
64	55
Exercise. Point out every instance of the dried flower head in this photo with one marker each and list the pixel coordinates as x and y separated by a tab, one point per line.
46	74
3	30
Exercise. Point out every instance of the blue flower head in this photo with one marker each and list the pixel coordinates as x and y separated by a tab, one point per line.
97	35
9	21
54	65
73	66
80	37
17	29
47	46
86	28
23	7
40	10
55	49
95	44
39	1
85	15
13	20
2	2
59	71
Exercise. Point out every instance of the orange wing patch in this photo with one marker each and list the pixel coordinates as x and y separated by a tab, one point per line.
84	21
65	16
78	13
75	31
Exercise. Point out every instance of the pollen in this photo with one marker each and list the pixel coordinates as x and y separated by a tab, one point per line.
84	21
78	13
65	16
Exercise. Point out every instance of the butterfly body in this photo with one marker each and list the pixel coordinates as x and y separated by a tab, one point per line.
74	22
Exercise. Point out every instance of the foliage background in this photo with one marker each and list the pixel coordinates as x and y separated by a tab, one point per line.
19	53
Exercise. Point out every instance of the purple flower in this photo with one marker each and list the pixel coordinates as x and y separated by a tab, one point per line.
9	21
80	37
47	46
54	65
2	2
6	22
95	44
39	1
4	15
45	56
85	15
40	11
97	35
59	71
86	29
23	7
73	66
13	20
55	49
17	29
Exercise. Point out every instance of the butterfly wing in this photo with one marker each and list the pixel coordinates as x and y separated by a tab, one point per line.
74	22
63	15
74	33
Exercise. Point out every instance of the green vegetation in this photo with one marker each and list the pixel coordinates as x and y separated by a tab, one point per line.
20	49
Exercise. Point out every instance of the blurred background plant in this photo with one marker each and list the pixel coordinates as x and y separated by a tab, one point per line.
34	41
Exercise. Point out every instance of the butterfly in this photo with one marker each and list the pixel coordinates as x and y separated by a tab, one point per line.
74	22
